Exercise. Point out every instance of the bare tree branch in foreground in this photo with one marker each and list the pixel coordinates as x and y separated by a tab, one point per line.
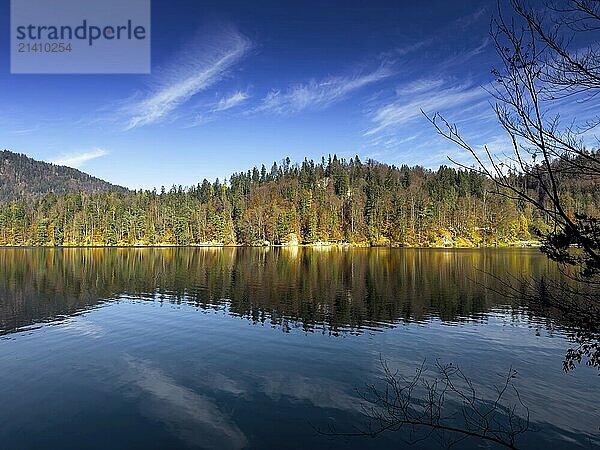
541	76
447	407
545	97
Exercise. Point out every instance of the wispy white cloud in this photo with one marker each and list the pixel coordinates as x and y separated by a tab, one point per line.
475	16
319	94
407	49
392	141
415	97
419	86
201	66
78	159
460	58
232	101
23	131
410	48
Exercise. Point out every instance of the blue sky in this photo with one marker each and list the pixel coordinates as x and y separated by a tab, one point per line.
235	84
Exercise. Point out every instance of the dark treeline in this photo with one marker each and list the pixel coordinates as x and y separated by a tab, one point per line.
331	201
22	177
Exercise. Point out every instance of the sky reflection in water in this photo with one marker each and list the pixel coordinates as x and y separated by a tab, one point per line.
246	348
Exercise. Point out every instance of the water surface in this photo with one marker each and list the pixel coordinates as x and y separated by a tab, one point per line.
257	348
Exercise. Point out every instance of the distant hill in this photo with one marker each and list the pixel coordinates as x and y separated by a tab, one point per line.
24	177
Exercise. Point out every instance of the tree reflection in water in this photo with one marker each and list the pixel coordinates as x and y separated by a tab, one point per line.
324	290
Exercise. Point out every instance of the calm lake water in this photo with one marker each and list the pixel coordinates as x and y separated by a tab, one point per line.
256	348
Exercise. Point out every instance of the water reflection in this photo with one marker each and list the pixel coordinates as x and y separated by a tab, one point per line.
330	291
194	418
165	348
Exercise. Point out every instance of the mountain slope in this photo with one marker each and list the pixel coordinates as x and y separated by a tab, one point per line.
24	177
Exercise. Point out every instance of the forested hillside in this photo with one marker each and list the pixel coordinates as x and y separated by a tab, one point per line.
332	201
25	178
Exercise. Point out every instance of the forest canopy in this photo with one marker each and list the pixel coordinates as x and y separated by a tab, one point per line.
333	201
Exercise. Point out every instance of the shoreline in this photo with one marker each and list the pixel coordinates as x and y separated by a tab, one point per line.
515	245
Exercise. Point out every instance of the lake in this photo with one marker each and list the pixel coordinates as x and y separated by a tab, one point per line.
262	348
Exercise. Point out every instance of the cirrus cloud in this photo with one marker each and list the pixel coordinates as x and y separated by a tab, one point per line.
78	159
232	101
202	65
319	94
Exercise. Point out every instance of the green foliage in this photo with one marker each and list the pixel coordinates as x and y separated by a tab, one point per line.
333	201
